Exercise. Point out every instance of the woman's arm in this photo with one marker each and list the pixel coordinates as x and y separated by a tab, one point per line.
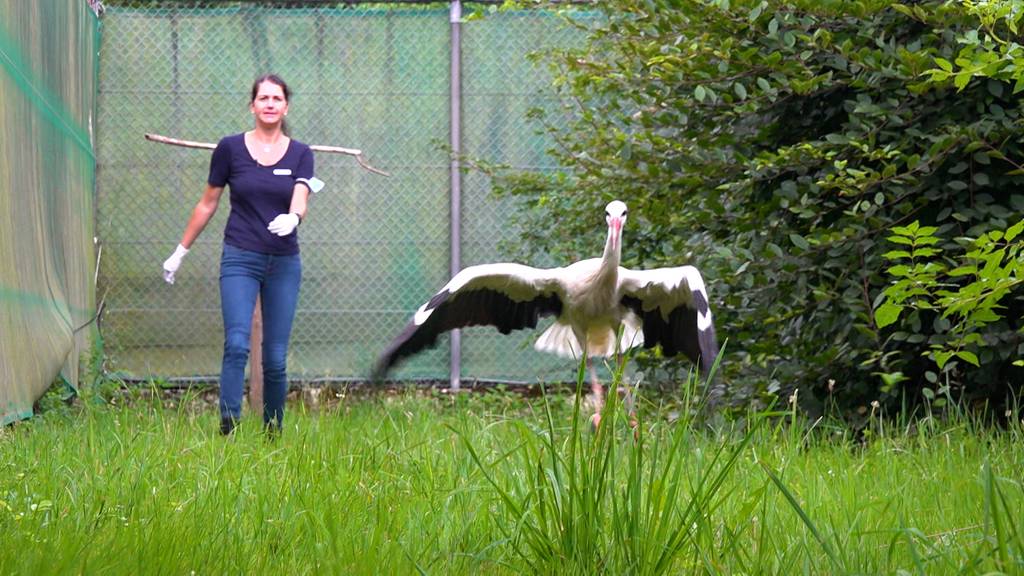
201	214
300	197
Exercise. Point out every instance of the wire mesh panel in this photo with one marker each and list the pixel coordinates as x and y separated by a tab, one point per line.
373	248
500	85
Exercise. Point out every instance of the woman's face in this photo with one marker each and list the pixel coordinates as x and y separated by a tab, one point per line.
270	105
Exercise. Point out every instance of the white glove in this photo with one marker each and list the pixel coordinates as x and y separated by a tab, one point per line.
284	224
171	264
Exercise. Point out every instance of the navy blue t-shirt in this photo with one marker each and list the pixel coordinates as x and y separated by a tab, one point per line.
258	193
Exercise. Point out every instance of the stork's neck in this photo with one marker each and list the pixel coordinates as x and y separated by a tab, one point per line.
612	254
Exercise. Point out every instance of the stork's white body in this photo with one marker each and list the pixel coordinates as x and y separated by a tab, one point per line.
591	314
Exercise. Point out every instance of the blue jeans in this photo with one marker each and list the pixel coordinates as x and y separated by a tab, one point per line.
243	275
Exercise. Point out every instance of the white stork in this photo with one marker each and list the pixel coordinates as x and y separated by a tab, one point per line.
591	300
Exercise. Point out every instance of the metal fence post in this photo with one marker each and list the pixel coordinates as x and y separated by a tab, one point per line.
455	18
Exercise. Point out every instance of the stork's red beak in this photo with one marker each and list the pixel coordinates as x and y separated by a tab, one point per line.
616	225
615	230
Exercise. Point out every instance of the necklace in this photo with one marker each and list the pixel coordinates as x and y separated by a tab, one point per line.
267	146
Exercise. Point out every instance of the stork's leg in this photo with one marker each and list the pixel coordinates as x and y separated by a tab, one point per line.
597	391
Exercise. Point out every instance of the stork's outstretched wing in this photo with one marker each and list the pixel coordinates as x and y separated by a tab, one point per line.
506	296
673	304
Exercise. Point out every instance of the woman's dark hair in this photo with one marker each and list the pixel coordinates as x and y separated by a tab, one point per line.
273	79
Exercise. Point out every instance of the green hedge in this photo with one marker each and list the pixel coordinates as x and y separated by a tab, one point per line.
775	145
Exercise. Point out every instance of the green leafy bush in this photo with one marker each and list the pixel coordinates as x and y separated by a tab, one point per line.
775	145
993	267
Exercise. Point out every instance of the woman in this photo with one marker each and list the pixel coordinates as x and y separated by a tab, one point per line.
269	176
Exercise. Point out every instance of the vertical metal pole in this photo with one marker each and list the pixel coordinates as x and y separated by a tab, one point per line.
455	19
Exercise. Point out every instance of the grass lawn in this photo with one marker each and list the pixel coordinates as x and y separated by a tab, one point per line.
495	483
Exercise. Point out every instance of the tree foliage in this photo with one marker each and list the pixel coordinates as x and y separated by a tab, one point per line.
777	145
992	264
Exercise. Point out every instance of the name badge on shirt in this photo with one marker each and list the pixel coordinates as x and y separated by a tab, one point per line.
282	172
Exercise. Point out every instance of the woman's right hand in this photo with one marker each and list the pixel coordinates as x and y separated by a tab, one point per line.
201	214
171	264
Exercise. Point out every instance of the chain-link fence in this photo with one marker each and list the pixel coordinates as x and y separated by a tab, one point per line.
374	248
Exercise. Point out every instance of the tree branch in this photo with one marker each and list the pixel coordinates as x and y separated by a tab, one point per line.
358	154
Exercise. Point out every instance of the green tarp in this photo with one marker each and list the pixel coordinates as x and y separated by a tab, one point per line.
48	65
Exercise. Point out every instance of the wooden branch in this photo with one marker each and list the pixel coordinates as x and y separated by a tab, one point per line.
177	142
357	154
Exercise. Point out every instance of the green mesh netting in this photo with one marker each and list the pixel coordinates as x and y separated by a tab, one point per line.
373	248
48	60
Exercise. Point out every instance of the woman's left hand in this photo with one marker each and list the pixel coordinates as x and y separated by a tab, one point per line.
284	224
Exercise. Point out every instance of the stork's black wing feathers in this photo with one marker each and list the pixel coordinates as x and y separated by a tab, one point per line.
673	305
466	308
679	334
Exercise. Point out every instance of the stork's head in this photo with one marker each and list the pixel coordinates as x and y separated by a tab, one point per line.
615	215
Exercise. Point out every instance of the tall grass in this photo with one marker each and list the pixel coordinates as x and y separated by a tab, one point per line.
496	484
620	500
